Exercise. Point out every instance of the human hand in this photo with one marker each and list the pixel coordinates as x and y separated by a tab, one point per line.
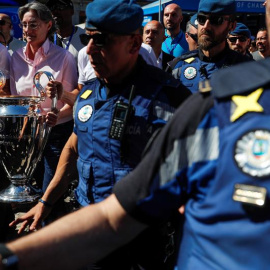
54	88
33	218
52	117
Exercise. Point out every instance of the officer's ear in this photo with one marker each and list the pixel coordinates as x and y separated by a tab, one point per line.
136	43
232	26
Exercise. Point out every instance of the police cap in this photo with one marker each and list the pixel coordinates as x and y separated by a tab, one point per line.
241	29
118	16
223	7
193	21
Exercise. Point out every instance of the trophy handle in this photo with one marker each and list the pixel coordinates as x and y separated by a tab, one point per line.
40	88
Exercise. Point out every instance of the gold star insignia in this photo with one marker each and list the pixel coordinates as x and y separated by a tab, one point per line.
246	104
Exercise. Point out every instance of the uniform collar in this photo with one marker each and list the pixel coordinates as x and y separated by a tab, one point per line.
216	58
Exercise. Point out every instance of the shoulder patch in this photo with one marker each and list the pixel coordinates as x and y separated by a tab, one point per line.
189	60
86	94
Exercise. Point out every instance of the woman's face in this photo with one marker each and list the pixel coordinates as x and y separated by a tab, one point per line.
34	29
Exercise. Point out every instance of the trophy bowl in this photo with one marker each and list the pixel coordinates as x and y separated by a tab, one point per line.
23	135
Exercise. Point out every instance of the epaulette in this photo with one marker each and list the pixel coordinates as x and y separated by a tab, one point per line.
241	78
188	57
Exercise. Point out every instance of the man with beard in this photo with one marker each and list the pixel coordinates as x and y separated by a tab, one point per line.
68	35
262	43
215	20
239	39
175	43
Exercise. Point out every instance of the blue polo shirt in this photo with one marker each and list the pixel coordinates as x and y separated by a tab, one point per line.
175	46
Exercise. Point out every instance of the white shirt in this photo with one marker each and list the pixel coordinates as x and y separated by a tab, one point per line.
49	57
75	44
159	60
147	52
4	60
86	71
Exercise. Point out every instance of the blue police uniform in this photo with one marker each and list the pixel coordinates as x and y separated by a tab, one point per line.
175	46
103	160
216	162
194	67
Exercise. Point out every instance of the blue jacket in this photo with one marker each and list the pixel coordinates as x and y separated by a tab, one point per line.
216	162
194	67
102	160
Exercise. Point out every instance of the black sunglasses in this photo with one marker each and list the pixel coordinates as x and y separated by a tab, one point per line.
193	36
213	19
234	39
99	39
3	22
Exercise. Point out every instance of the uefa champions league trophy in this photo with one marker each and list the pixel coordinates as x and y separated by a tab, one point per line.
23	136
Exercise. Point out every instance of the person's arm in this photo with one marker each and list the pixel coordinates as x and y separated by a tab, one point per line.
57	187
77	239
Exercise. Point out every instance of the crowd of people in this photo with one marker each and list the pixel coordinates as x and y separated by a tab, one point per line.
167	131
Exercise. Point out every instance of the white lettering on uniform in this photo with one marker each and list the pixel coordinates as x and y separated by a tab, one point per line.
134	130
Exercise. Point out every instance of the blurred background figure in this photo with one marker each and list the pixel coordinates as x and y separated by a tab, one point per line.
7	39
262	44
252	47
239	39
153	35
175	43
192	33
68	35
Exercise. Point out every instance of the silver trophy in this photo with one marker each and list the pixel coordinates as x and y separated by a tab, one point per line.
23	136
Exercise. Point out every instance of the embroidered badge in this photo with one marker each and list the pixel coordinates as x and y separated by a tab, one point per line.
190	73
86	94
85	113
252	153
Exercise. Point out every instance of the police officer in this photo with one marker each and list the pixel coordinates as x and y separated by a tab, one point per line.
215	20
216	161
115	115
192	33
239	39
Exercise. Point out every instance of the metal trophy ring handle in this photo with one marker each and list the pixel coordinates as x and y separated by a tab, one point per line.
41	89
2	79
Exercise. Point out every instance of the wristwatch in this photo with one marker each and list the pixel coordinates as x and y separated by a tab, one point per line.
9	260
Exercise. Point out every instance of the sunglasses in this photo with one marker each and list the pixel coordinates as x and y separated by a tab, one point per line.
213	19
99	39
234	39
3	22
193	36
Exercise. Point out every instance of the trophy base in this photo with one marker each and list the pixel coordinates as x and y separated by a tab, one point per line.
18	194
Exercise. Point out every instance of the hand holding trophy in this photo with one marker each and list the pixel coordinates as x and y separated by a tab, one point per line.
23	136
